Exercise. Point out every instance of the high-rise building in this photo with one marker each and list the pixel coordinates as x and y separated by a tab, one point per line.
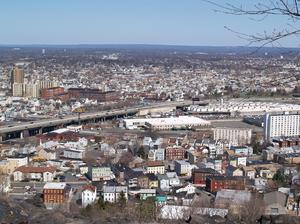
31	90
17	89
17	76
47	84
281	125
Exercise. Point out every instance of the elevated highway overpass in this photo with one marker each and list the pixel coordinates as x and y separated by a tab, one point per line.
45	125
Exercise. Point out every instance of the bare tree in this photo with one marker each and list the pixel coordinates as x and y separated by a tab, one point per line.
288	9
248	211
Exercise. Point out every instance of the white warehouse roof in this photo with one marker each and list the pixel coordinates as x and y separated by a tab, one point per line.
175	121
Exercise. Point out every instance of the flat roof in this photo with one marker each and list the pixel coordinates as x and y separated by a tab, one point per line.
235	124
53	185
180	120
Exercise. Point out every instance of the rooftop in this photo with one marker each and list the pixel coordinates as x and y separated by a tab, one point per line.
181	120
53	185
36	169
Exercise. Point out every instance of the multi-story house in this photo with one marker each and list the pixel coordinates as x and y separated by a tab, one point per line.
97	173
146	193
112	193
8	165
39	173
156	167
199	175
88	195
215	183
74	154
175	153
182	168
156	154
55	194
47	153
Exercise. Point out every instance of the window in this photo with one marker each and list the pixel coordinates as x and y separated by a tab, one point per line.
274	210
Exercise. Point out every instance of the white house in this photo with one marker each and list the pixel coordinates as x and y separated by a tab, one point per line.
190	189
74	153
112	193
97	173
156	167
170	179
45	173
182	168
146	193
88	195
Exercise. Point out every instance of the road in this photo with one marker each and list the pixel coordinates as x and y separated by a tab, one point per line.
86	116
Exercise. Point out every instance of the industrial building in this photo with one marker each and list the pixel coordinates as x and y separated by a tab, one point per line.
181	122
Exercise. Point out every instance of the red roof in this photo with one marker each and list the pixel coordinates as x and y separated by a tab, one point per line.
36	169
155	163
89	188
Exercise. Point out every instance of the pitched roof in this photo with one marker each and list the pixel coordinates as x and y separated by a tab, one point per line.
235	196
275	197
89	188
36	169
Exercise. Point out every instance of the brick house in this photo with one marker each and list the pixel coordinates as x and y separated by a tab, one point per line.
215	183
199	175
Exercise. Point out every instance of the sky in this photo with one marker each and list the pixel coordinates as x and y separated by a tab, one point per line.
171	22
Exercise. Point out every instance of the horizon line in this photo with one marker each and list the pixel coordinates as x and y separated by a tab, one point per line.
138	44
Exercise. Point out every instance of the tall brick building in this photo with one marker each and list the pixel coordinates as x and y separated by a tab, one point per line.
199	175
55	194
216	183
94	94
175	153
50	93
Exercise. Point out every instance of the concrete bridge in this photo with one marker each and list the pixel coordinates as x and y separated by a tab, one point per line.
32	128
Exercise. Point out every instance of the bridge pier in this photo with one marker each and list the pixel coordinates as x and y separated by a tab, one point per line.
24	133
40	131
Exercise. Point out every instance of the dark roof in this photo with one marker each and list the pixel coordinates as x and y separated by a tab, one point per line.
151	176
226	177
130	174
205	170
231	168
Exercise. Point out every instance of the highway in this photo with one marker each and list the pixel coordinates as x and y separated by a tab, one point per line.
85	116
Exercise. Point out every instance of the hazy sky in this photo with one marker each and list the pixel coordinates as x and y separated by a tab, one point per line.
181	22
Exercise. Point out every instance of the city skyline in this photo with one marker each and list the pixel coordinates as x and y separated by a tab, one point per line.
132	22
